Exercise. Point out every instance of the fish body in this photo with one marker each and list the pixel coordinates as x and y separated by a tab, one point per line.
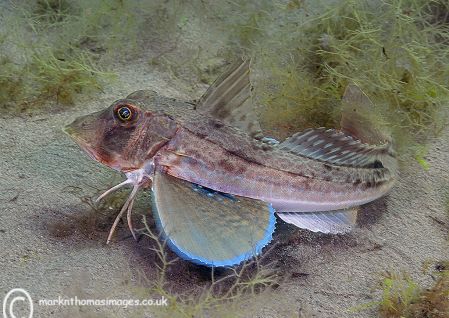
313	179
207	152
275	176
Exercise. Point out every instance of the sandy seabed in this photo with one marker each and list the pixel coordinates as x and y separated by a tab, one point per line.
47	248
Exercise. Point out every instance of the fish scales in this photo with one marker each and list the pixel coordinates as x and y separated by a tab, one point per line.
217	182
240	144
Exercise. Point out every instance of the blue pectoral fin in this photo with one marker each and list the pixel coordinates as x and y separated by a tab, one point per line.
207	227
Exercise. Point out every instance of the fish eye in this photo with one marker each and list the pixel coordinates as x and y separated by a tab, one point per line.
124	113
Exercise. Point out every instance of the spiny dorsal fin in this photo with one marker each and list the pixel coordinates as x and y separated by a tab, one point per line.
334	147
229	100
332	222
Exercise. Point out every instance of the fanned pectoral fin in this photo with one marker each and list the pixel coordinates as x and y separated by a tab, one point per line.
207	227
332	222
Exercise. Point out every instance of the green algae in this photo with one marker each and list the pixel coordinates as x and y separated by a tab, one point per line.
399	291
52	11
234	292
305	53
402	297
50	54
62	78
394	51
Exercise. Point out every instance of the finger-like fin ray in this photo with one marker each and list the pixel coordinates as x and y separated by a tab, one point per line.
126	207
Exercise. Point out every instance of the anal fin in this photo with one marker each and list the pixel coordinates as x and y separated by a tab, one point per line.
329	222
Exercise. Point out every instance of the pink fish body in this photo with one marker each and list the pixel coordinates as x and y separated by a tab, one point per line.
210	157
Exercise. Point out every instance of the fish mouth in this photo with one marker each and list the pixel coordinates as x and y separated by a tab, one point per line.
68	129
96	152
85	146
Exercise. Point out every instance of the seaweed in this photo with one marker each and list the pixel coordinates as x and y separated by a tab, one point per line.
47	78
433	302
304	53
202	292
11	83
250	23
391	50
63	78
420	153
399	291
223	295
401	296
53	50
52	11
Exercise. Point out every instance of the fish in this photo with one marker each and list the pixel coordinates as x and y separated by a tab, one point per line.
218	182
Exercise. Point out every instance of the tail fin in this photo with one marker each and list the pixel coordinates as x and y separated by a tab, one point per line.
360	120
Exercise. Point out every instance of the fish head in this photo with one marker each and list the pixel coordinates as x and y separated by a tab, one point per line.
122	136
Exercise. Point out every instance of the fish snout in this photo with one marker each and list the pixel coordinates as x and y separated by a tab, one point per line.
69	129
84	127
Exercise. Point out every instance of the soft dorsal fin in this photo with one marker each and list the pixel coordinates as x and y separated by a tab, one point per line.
229	100
359	118
360	144
331	222
335	147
